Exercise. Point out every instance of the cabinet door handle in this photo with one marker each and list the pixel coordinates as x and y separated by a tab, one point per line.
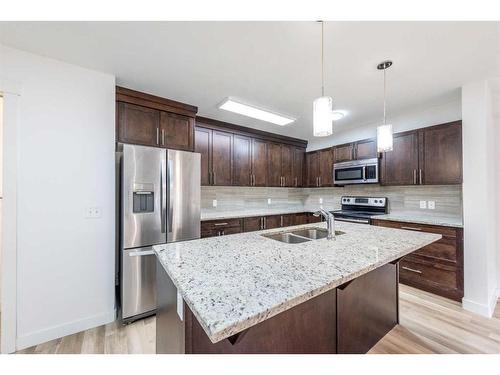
213	178
412	228
163	137
157	136
319	180
420	176
296	183
414	177
219	224
223	232
265	222
281	221
411	270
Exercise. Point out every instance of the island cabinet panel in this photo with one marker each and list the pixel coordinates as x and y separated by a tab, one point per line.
138	125
367	309
298	167
177	131
304	329
224	227
436	268
274	175
441	154
400	166
242	161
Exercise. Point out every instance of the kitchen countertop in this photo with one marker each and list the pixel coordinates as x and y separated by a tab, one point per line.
235	281
446	221
406	217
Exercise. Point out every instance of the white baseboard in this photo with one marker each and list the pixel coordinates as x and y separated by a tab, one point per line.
56	332
482	309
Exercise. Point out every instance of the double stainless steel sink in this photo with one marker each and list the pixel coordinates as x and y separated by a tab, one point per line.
300	235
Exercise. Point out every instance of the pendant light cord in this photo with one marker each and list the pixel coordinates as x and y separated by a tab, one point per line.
322	60
384	96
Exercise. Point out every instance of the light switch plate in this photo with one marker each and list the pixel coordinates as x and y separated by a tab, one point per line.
431	205
268	200
423	204
320	200
214	202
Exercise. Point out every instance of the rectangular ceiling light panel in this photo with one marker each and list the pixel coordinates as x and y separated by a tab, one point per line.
258	113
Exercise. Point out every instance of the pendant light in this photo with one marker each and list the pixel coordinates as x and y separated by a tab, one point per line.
322	106
384	132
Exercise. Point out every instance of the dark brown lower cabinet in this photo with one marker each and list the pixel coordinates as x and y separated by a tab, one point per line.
252	224
301	218
215	228
348	319
437	268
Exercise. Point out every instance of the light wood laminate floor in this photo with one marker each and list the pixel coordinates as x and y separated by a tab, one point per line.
428	324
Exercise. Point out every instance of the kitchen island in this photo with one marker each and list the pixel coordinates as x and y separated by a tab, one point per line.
246	293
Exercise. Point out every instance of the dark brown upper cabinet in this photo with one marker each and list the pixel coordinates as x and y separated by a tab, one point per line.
149	120
400	166
320	168
427	156
364	149
215	148
343	153
298	166
280	165
176	131
253	157
274	177
242	161
440	154
259	163
138	125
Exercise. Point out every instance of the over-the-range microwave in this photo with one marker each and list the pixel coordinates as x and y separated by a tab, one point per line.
356	172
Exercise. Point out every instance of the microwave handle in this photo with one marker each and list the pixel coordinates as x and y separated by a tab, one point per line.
364	172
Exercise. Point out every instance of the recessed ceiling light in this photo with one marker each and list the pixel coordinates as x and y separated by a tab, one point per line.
235	106
337	115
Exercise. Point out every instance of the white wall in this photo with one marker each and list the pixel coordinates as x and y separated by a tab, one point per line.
479	188
413	118
65	263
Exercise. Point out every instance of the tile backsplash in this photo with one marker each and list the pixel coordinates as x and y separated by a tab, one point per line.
402	199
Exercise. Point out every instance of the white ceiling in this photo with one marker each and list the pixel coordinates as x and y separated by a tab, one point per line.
276	65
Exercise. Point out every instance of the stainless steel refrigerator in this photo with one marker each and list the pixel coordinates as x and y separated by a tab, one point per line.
159	203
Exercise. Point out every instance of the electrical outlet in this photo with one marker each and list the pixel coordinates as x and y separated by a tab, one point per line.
214	202
320	200
268	200
423	204
431	205
93	212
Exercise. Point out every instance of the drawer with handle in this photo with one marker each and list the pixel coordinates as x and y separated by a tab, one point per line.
220	227
434	277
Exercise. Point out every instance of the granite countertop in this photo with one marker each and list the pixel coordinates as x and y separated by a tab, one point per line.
233	282
250	213
406	217
446	221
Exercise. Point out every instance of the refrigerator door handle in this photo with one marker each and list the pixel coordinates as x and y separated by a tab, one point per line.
162	196
141	253
169	197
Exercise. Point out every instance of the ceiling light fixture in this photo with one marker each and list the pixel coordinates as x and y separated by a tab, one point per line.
384	132
322	106
232	105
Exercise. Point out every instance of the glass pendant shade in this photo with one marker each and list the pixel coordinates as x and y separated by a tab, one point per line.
384	138
322	116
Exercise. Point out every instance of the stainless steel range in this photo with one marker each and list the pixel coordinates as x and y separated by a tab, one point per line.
360	209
